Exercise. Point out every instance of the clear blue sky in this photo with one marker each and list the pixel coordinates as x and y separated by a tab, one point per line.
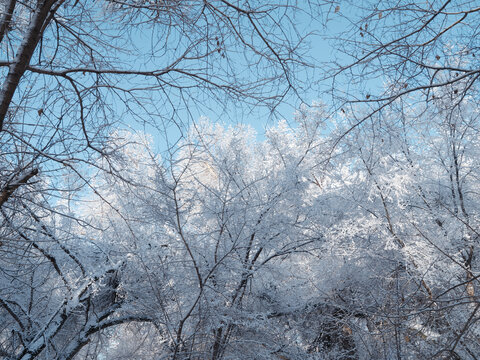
320	50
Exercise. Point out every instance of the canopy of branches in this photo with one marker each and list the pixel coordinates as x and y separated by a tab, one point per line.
350	231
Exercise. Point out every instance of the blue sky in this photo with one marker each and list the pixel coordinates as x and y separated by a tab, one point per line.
320	50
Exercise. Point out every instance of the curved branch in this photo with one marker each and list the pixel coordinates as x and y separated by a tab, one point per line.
8	191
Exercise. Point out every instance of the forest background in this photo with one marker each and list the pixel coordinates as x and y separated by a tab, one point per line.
134	227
